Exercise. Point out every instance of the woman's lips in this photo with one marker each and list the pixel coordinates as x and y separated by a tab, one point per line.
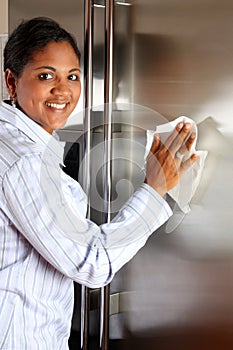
56	105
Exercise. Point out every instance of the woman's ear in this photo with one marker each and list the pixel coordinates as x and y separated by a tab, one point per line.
11	83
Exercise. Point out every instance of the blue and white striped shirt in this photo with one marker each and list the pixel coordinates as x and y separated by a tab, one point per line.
46	242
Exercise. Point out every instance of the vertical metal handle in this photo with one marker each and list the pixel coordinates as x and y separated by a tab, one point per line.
107	132
88	100
105	292
107	135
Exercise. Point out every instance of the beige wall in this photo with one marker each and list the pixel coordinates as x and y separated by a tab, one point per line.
3	16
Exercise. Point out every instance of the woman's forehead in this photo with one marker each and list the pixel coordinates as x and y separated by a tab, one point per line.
61	51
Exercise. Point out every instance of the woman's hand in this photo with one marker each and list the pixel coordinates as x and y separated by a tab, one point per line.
164	166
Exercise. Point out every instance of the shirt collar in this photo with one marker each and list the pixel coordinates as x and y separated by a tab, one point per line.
31	129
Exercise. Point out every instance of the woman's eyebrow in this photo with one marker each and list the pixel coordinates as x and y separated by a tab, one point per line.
54	69
74	70
46	67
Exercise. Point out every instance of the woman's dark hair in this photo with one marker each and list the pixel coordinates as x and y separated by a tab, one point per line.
31	36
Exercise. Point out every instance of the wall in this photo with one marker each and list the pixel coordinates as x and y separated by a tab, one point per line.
3	16
3	37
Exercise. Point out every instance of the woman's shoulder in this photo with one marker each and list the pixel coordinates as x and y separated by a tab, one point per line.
14	145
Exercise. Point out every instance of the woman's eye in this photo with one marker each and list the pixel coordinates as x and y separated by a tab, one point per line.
45	76
73	77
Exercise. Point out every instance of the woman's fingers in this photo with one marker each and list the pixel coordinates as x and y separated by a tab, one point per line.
188	144
155	145
165	165
186	147
187	164
176	140
173	135
180	132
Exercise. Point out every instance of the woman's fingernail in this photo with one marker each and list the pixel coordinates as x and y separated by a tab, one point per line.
194	156
193	135
180	125
187	126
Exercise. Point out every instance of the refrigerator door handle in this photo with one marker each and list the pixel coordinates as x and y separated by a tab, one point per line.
88	101
107	171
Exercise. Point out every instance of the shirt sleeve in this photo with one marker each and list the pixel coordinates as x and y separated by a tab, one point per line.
48	208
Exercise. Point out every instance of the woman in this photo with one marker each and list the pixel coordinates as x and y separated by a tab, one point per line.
46	241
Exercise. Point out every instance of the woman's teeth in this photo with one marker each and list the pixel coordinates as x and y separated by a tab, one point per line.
56	105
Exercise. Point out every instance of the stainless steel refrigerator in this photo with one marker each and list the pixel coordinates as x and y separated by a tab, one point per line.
144	63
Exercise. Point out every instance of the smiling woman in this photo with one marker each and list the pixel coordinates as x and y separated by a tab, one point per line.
48	88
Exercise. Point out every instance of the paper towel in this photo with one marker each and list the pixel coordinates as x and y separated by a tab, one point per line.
184	191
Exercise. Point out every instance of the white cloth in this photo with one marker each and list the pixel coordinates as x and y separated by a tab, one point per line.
184	191
46	241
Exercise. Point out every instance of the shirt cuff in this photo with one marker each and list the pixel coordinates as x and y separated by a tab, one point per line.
150	206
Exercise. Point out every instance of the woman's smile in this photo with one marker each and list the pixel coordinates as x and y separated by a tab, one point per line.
55	105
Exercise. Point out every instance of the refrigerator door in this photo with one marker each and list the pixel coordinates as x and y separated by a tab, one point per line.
182	65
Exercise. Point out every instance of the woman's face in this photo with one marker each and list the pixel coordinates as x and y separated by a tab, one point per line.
49	87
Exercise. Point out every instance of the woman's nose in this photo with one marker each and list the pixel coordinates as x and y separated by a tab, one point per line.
61	88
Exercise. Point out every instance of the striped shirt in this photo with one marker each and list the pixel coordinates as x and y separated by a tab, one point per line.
46	242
